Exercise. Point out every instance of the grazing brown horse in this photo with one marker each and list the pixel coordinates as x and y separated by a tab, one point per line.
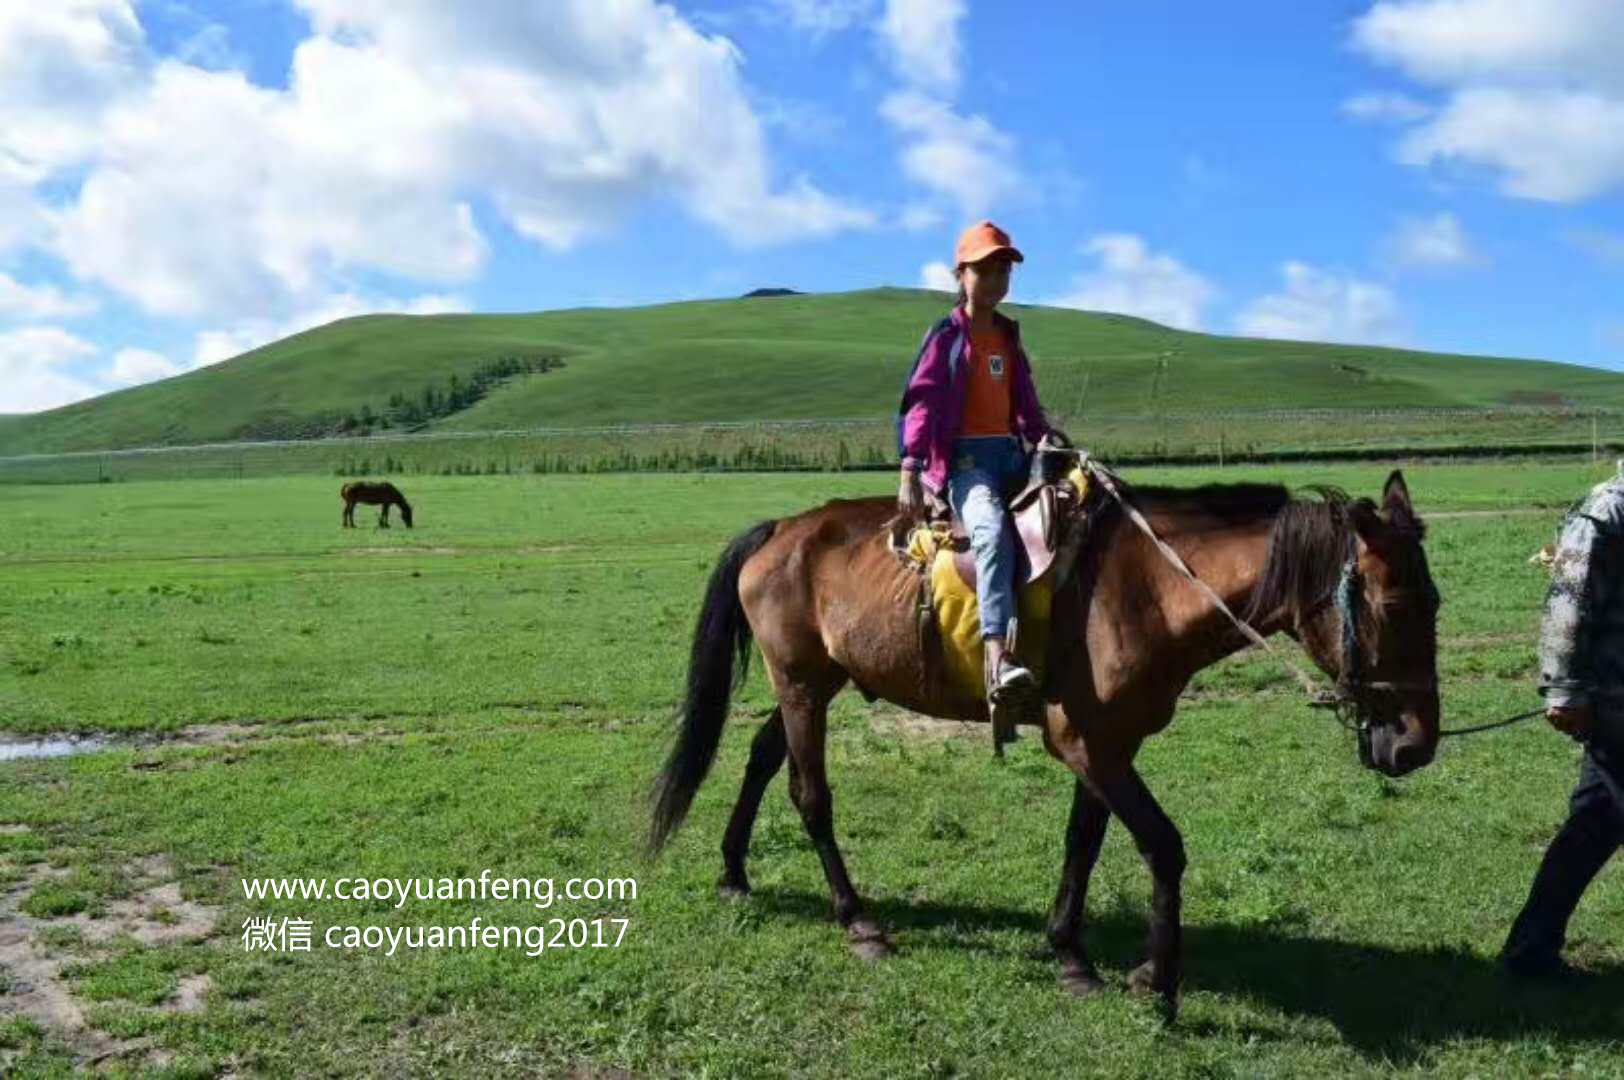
828	604
374	494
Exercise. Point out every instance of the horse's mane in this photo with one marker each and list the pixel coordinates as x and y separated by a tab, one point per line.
1227	502
1307	548
1308	541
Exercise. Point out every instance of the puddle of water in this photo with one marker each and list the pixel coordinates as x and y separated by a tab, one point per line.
57	746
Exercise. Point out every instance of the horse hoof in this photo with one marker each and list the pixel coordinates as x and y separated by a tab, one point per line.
868	941
732	890
1143	980
1080	981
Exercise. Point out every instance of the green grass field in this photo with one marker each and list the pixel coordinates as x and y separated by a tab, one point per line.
493	690
836	355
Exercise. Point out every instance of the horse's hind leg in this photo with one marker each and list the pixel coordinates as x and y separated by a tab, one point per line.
805	708
766	758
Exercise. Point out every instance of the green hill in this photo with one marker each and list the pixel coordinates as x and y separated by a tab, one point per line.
784	357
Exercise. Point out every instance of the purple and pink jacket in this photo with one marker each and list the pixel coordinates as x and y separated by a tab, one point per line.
933	404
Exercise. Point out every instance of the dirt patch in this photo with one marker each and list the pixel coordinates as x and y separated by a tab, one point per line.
361	552
155	914
888	720
1537	397
188	997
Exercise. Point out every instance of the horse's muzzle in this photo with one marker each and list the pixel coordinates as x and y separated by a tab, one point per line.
1398	749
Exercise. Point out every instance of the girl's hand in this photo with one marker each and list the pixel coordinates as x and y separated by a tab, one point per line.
911	496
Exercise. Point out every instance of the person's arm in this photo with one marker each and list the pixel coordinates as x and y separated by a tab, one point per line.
922	402
1583	583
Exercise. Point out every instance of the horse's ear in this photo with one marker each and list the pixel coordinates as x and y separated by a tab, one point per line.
1396	495
1396	505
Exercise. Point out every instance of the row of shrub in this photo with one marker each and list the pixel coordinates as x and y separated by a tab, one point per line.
749	456
441	399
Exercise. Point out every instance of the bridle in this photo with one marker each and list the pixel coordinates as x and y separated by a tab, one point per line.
1350	699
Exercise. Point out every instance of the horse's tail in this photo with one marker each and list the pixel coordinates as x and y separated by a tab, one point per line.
717	664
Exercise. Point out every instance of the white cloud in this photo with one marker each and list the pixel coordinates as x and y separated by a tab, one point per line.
36	302
208	197
32	375
22	224
1456	42
61	66
132	367
212	346
819	17
1386	106
919	216
1320	305
1432	241
210	48
938	276
1554	145
963	159
1535	88
922	37
1597	243
1130	279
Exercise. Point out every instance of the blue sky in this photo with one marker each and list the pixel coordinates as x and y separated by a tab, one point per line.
180	181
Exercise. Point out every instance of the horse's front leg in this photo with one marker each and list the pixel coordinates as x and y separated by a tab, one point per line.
1162	847
1085	832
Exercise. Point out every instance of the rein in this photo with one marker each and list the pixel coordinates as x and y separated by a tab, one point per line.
1348	699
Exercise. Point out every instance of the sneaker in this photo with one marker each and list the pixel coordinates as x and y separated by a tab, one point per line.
1012	680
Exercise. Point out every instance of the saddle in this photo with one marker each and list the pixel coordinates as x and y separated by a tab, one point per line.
1037	511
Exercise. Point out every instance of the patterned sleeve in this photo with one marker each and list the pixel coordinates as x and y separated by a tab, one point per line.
1583	583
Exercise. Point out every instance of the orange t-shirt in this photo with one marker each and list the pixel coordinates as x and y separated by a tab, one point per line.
987	402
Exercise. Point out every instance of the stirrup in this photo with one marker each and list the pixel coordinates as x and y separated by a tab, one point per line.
1011	690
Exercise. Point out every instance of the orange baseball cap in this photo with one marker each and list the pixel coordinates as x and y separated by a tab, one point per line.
981	240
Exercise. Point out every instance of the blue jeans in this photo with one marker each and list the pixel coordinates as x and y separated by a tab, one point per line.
983	470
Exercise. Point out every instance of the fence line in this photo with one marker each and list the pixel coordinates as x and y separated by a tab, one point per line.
837	423
1219	436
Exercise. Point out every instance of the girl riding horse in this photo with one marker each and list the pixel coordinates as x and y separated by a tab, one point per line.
969	414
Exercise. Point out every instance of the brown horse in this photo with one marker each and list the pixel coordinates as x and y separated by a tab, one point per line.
374	494
828	604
